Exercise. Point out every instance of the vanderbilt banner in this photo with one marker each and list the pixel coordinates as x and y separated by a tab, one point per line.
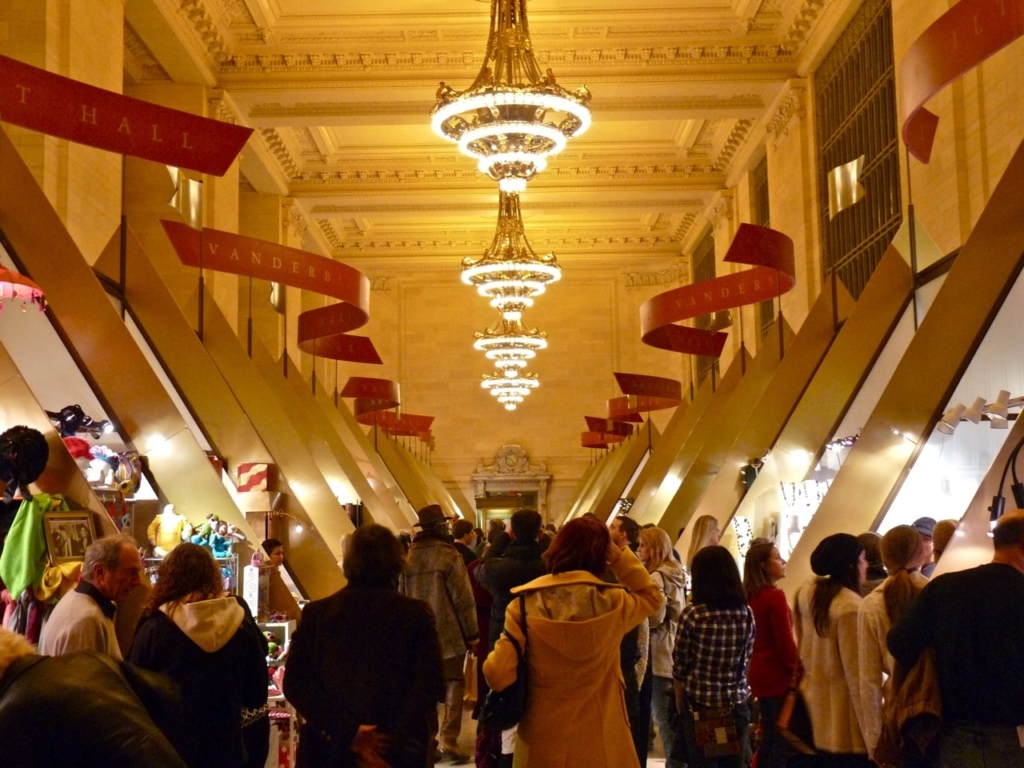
768	251
323	331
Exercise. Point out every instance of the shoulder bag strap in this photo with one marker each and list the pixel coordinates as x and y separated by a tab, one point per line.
522	621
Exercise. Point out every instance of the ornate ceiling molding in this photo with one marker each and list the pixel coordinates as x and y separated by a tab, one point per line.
139	61
294	218
676	273
720	208
276	145
753	102
264	63
737	137
472	245
791	104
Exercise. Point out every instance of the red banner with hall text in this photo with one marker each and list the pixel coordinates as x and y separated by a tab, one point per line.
59	106
962	38
323	331
768	251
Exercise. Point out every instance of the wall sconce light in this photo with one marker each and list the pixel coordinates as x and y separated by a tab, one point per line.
995	413
275	511
950	419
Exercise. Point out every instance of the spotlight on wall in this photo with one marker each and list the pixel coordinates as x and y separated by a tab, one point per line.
974	412
995	413
1017	487
950	419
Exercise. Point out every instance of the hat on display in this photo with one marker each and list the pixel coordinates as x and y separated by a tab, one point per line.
925	526
835	554
79	448
430	516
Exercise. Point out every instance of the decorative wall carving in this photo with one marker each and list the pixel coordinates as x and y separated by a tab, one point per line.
139	60
277	147
636	280
513	471
792	105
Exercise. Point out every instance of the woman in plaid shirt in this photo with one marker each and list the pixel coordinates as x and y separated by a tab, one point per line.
713	647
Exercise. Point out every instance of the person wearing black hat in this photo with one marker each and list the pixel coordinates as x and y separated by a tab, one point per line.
436	574
826	629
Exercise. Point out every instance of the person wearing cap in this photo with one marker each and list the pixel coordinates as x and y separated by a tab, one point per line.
972	620
925	526
825	621
436	574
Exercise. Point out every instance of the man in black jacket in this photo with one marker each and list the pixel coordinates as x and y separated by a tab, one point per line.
502	568
364	668
519	563
76	710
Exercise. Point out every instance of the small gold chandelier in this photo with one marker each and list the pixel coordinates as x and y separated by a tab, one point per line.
512	117
510	273
509	345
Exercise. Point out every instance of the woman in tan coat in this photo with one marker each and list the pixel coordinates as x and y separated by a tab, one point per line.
576	711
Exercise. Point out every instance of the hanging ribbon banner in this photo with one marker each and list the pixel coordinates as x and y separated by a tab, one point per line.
958	41
631	407
322	331
650	386
371	395
768	251
59	106
598	439
408	424
608	426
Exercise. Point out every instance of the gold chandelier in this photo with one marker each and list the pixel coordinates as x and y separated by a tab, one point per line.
512	117
509	345
510	273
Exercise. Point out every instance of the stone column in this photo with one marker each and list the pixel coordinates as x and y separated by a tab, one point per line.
83	41
792	184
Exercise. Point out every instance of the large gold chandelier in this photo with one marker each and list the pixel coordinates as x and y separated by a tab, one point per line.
512	116
510	273
509	345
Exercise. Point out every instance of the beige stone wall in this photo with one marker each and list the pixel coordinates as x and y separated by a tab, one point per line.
980	126
82	40
422	324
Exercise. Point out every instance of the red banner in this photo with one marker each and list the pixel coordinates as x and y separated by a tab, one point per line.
962	38
608	426
652	386
408	424
629	407
59	106
322	331
372	396
771	255
598	439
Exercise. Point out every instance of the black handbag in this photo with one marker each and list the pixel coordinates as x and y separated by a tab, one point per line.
504	709
794	723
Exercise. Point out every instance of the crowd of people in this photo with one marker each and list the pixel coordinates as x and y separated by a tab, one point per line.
623	637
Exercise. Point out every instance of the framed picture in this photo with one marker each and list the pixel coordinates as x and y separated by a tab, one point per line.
68	534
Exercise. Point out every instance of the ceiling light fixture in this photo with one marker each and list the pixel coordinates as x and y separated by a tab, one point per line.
510	273
510	345
512	117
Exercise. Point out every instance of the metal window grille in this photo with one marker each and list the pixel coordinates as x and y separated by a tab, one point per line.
704	269
762	218
855	101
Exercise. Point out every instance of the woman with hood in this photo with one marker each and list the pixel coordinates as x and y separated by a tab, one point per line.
210	646
655	552
576	710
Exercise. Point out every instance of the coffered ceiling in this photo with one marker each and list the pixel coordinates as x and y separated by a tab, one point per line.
340	93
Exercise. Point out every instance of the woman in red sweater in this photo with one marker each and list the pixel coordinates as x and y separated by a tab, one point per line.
775	659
